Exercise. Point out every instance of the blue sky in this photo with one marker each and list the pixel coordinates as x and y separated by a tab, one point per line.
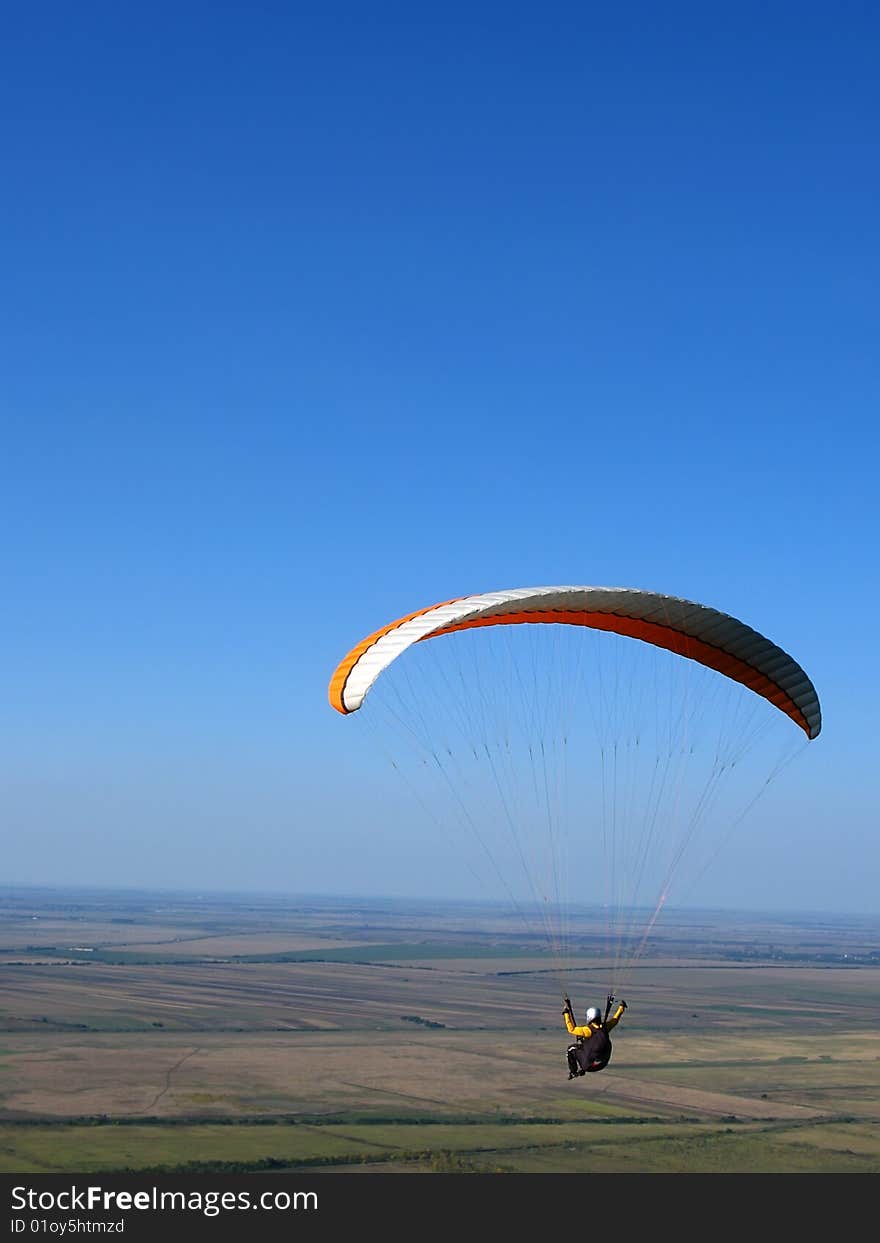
313	317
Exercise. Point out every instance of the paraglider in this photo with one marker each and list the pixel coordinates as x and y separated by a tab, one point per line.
581	744
592	1049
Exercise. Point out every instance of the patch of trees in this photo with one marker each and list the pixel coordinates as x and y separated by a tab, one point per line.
416	1018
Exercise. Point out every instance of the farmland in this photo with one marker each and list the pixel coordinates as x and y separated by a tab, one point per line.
171	1032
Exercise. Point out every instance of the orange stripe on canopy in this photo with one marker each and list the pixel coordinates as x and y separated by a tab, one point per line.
340	677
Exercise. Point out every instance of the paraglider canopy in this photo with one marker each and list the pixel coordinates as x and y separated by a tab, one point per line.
694	631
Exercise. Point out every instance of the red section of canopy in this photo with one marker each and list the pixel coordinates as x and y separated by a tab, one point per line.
659	635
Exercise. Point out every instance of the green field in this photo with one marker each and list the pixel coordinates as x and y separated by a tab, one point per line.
382	1037
629	1145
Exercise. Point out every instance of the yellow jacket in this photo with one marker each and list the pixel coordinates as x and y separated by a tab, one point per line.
590	1029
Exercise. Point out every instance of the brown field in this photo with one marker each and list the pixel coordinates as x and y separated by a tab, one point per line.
222	1075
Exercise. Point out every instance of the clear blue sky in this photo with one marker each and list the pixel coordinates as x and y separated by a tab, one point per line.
313	315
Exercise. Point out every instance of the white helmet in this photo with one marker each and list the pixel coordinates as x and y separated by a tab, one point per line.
593	1015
